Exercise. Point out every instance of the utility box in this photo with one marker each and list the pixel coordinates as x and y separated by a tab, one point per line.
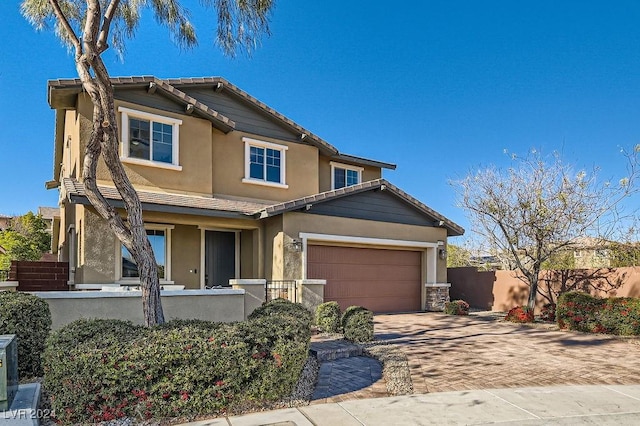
8	370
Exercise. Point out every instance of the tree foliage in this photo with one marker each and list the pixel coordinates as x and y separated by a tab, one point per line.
458	256
26	238
534	210
87	27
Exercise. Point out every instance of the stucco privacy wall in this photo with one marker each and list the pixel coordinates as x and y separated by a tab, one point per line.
294	223
502	290
210	305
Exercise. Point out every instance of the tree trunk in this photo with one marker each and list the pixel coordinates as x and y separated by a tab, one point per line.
533	290
104	143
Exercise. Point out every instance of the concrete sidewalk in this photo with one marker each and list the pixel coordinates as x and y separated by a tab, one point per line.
556	405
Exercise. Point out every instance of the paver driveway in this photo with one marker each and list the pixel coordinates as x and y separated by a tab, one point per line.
447	353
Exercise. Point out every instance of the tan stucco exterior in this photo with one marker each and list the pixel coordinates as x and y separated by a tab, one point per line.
212	164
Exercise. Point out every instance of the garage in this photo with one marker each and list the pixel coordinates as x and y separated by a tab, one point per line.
381	280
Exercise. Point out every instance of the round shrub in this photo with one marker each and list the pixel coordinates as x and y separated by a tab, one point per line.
357	323
456	307
548	312
328	317
283	307
578	311
520	314
29	318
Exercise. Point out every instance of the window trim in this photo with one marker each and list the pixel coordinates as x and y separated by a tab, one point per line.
248	143
167	255
127	113
335	165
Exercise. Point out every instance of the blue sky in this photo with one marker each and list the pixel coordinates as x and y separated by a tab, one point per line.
437	87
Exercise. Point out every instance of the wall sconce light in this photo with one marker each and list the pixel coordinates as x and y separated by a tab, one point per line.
442	253
296	244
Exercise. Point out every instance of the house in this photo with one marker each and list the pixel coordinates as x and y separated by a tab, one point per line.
232	189
5	221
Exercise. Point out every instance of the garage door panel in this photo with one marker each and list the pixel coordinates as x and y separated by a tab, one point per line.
378	279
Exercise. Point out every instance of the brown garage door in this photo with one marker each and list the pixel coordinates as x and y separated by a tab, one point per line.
380	280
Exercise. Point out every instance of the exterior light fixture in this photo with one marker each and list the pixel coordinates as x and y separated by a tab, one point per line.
442	253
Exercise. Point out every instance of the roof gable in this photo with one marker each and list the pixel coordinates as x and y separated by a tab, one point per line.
373	200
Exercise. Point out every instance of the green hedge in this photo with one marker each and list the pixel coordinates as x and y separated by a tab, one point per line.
29	318
98	370
583	312
357	324
456	307
328	317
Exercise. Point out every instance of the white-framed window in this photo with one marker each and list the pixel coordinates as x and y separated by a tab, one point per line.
264	163
343	175
160	239
149	139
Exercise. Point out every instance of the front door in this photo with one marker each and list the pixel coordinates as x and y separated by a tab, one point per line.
219	258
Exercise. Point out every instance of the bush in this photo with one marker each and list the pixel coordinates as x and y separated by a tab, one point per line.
520	314
456	307
182	368
328	317
548	312
357	323
283	307
29	318
578	311
583	312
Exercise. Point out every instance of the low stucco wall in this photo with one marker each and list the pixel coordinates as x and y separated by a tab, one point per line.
219	305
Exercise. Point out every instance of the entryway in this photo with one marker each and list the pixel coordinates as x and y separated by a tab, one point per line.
220	258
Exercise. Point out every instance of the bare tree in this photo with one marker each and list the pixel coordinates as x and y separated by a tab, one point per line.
87	27
538	207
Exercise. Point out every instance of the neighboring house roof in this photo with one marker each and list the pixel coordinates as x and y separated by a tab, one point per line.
62	95
453	229
49	212
169	203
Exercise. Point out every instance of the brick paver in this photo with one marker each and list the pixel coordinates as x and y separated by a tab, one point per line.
452	353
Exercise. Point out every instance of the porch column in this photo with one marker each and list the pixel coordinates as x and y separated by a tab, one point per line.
437	294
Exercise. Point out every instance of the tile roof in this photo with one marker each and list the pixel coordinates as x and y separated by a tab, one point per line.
280	208
199	204
49	212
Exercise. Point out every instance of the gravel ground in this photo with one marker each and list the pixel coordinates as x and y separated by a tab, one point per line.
395	368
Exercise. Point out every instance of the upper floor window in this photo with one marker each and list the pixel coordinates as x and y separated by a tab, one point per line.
149	139
264	163
345	175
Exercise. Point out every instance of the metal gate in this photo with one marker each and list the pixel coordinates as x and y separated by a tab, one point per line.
283	289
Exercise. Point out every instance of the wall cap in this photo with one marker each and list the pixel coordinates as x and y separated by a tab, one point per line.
92	294
8	284
311	282
252	281
437	285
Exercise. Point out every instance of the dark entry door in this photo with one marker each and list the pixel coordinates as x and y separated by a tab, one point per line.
219	258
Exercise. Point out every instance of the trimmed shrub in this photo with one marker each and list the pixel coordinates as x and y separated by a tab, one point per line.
520	314
29	318
456	307
548	312
578	311
182	368
357	324
328	317
583	312
283	307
